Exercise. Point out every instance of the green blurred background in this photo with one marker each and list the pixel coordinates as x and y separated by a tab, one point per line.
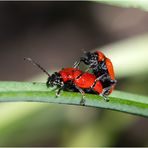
53	33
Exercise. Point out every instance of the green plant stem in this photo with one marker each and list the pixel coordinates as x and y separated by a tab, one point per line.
38	92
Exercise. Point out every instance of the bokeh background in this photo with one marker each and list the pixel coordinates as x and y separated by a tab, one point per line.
53	33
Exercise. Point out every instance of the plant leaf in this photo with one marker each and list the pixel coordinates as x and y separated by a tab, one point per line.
142	4
38	92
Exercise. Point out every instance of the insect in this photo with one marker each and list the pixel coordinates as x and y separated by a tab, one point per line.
75	80
100	65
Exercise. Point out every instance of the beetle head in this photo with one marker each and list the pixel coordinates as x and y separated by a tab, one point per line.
54	80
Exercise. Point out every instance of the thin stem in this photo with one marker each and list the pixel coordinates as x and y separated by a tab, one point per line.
38	92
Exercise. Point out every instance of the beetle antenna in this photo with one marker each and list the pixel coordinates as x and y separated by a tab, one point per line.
36	64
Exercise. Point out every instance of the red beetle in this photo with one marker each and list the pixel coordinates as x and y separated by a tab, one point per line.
74	79
108	63
100	65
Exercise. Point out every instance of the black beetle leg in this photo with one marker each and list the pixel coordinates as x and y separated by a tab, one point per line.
87	69
104	97
104	92
76	64
100	77
59	90
82	102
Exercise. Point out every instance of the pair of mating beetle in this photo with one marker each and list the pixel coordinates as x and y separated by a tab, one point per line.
101	80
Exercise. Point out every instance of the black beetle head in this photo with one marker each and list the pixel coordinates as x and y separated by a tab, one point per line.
54	80
90	59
